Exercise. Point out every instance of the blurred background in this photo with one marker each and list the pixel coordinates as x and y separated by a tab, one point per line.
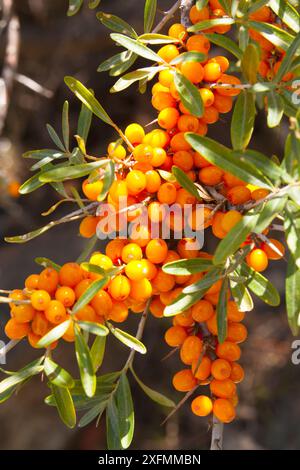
52	46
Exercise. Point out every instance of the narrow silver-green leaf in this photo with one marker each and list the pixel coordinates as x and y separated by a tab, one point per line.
287	13
97	351
149	14
70	172
65	406
90	292
207	24
116	24
87	374
275	109
94	328
189	94
242	123
260	285
226	43
127	339
57	375
292	295
54	334
137	47
125	411
112	425
184	267
186	182
153	394
221	311
74	7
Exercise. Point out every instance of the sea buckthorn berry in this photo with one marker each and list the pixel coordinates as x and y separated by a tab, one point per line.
222	29
236	332
257	260
221	369
102	303
114	249
55	312
153	181
185	318
40	299
119	288
237	372
191	349
48	280
210	175
263	68
135	133
262	14
119	312
260	193
88	226
66	296
197	15
70	275
172	256
202	130
223	103
184	197
270	250
17	294
230	180
202	405
159	157
230	219
184	381
199	43
69	335
202	311
92	189
163	282
167	193
157	138
103	261
136	181
33	339
217	225
165	78
131	252
178	142
228	350
221	60
157	307
224	410
207	97
15	330
193	71
188	248
201	370
116	150
23	313
82	287
231	81
158	87
40	324
136	270
150	269
223	388
163	100
188	123
31	282
212	324
211	115
168	118
212	72
156	251
143	153
177	31
200	218
140	291
175	336
87	313
168	52
200	161
238	195
141	235
233	313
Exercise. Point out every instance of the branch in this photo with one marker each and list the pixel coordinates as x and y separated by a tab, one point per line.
33	85
167	16
216	435
185	6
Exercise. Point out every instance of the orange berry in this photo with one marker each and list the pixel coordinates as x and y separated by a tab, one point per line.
230	219
263	68
217	225
228	80
114	249
212	72
188	248
82	287
158	87
200	161
31	282
193	71
168	52
233	313
102	303
260	193
202	405
197	15
168	118
219	13
135	133
167	193
55	312
202	130
199	43
153	181
40	299
177	31
163	100
136	181
184	381
17	294
131	252
92	189
48	280
119	312
200	218
257	260
211	115
119	288
210	175
163	282
87	313
224	410
201	371
116	150
262	14
223	104
175	336
15	330
183	197
236	332
207	97
136	270
191	349
156	251
157	307
185	318
143	153
69	335
237	373
140	291
23	313
165	78
70	275
66	296
202	311
149	268
88	226
239	195
188	123
221	369
40	324
33	339
223	388
178	142
222	61
231	180
159	157
157	138
270	251
228	350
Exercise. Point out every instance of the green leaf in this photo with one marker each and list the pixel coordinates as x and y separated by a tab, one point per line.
287	13
57	375
109	175
275	109
65	405
127	339
94	4
31	235
116	24
74	7
90	292
292	295
112	425
221	156
225	43
242	123
262	163
97	351
88	99
93	413
221	311
47	263
155	396
292	232
187	266
125	411
87	374
123	66
94	328
260	286
54	334
116	60
149	14
274	34
186	182
34	368
128	79
192	56
31	184
189	95
241	296
287	59
65	125
271	209
250	63
54	136
153	38
207	24
70	172
137	47
84	122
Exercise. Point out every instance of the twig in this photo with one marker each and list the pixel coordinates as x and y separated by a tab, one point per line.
10	345
179	405
33	85
167	16
185	6
216	434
